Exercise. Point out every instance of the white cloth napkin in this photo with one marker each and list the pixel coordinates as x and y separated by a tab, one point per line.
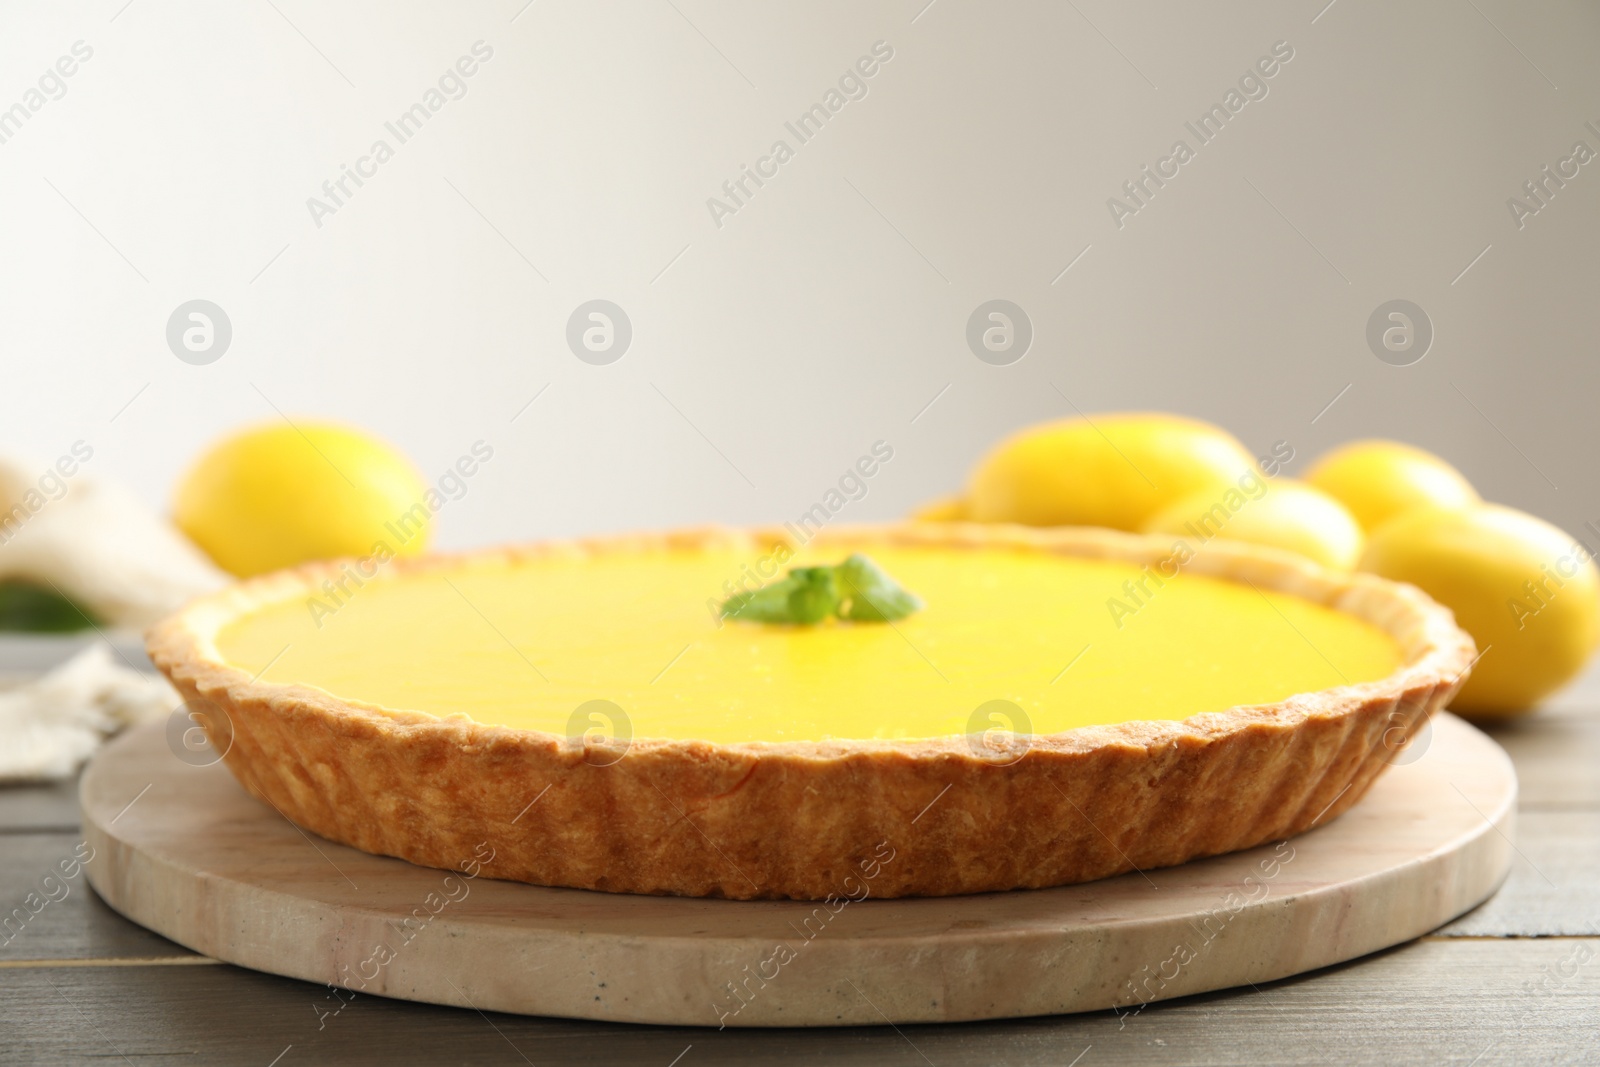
97	543
50	725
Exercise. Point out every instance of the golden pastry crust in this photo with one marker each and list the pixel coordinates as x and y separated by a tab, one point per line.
803	820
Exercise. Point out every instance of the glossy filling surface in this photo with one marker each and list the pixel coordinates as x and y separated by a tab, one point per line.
525	645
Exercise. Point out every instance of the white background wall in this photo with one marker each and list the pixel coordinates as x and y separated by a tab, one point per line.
830	310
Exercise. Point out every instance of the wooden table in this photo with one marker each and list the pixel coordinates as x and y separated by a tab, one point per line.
1516	981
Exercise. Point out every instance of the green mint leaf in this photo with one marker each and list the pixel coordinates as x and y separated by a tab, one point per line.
816	596
856	590
871	595
806	596
770	603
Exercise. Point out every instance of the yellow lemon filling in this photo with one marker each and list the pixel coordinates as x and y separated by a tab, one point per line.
525	644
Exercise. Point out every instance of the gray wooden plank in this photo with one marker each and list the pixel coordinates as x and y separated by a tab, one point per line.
1556	751
1431	1002
1557	747
46	915
1554	886
39	806
25	655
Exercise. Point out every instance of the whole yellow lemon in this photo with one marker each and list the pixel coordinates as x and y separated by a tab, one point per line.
1284	514
1527	592
1113	470
278	495
1378	480
943	509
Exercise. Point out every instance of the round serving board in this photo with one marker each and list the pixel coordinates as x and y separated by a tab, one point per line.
186	852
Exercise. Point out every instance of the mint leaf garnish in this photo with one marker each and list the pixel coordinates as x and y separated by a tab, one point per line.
816	596
807	595
871	595
857	590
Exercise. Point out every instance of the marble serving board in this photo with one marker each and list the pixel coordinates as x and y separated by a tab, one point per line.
185	851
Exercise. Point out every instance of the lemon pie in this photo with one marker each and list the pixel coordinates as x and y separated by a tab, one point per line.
1067	704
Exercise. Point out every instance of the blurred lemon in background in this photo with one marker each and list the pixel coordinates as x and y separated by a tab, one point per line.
1283	514
276	496
944	509
1115	471
1378	480
1527	592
